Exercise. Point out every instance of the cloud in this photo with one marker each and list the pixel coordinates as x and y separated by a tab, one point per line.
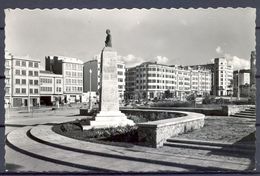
238	63
161	60
131	60
219	50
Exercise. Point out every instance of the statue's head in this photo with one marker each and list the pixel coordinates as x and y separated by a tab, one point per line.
108	31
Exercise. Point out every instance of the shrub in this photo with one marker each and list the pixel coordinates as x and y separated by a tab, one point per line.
172	104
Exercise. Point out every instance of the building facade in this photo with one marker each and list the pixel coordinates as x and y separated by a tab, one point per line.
71	70
252	67
241	85
8	79
51	88
150	80
94	66
222	76
25	81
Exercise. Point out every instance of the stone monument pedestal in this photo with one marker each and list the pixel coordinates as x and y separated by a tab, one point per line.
109	115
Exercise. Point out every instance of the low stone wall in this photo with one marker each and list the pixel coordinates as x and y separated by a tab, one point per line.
155	133
151	114
205	111
233	109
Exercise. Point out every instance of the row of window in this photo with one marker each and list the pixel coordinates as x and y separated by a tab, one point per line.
49	80
24	90
70	66
24	72
74	74
73	89
74	81
24	64
24	81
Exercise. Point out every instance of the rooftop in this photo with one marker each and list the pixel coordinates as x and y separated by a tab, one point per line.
68	59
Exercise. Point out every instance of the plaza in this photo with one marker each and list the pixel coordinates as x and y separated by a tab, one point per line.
41	149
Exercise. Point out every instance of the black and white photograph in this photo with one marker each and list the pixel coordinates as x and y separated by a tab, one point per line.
130	90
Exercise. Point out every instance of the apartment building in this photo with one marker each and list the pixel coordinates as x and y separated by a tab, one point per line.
94	66
51	88
8	79
71	70
25	81
150	80
252	68
222	74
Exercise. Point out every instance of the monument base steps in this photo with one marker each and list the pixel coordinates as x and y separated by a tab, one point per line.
108	119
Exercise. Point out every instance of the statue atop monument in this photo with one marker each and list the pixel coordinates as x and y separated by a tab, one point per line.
108	42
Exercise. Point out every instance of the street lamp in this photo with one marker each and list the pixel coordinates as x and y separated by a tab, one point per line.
238	84
90	104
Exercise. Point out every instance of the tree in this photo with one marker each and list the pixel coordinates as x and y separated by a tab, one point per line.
167	94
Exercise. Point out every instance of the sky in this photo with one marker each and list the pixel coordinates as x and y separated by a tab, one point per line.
168	36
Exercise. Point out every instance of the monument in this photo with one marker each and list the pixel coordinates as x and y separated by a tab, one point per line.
109	114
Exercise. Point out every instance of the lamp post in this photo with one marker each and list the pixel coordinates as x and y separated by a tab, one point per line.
238	84
90	104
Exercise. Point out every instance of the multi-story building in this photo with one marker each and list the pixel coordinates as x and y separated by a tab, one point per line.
8	79
150	80
94	65
222	75
25	81
51	88
241	81
252	67
71	70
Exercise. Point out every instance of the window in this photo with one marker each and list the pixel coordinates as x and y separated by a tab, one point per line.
17	90
74	74
17	81
31	82
24	72
120	66
58	81
23	81
23	90
73	66
7	63
68	73
35	82
59	89
17	72
120	73
68	66
31	91
36	65
30	73
17	63
35	73
120	80
30	64
120	87
24	63
35	91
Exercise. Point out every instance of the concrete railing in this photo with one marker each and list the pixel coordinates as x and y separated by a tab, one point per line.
155	133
